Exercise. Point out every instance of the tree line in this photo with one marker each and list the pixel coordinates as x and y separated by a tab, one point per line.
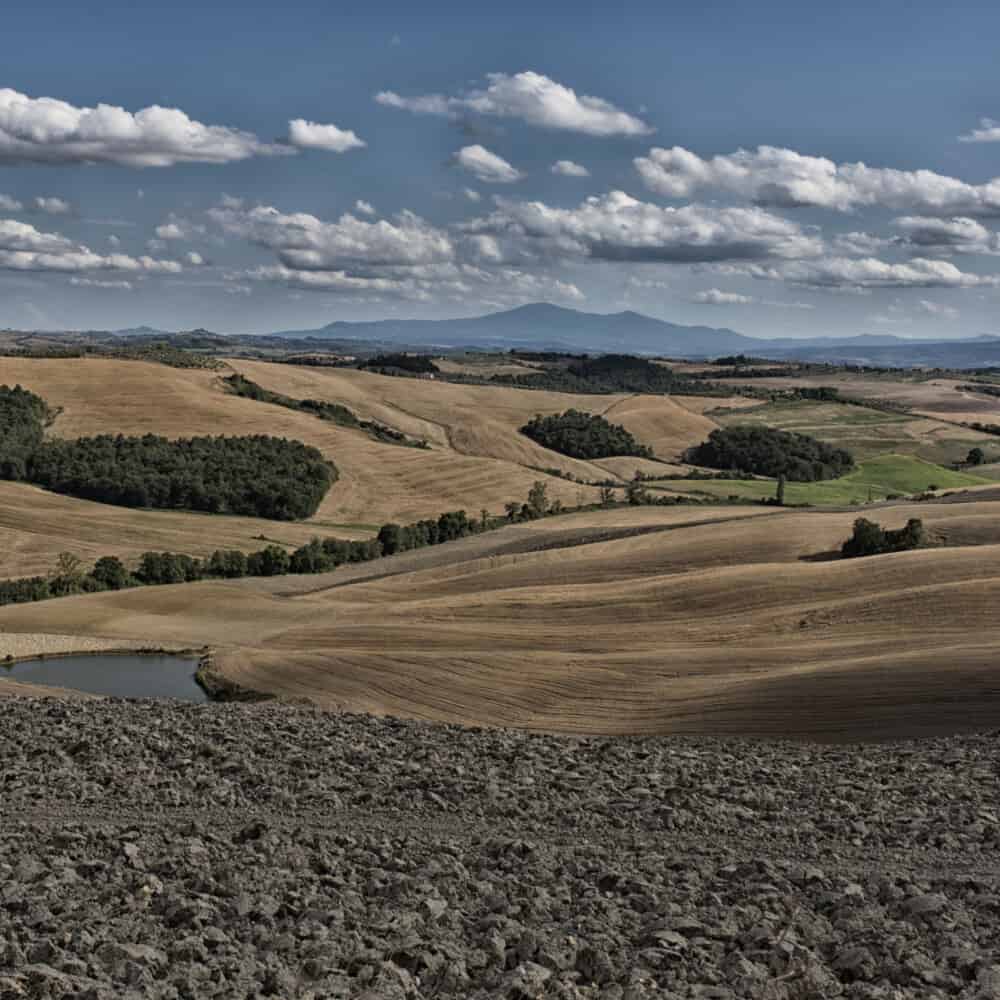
258	476
317	556
583	435
765	451
335	413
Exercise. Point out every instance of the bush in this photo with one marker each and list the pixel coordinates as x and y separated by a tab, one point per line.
765	451
583	435
870	539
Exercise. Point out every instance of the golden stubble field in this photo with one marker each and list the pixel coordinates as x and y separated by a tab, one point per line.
477	458
652	620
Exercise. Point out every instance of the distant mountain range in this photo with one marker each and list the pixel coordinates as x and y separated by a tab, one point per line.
541	326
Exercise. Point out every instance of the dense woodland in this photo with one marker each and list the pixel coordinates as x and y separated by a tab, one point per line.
764	451
583	435
22	426
414	364
257	476
606	374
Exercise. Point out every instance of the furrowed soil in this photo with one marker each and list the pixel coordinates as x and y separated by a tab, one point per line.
166	851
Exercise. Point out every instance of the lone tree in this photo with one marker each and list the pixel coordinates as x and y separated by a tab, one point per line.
779	494
976	456
538	501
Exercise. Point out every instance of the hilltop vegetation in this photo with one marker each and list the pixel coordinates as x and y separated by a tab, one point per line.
413	364
583	435
609	373
259	476
765	451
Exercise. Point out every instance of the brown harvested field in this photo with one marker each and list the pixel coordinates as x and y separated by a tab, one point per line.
939	397
725	626
477	457
35	526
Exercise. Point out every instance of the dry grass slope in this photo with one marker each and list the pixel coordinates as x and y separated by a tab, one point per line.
714	627
477	459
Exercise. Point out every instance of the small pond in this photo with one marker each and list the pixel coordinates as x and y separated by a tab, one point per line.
120	675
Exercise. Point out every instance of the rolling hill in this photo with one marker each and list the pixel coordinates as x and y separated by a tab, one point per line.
476	459
633	621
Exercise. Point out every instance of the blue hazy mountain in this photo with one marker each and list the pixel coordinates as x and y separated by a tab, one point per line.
541	326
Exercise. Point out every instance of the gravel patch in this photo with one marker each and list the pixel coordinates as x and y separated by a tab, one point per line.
175	851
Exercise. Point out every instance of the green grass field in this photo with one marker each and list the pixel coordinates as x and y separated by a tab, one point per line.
867	433
873	479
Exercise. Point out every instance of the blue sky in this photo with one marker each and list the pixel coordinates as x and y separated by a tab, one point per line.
779	168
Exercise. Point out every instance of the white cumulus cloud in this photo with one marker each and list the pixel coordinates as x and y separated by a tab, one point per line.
532	98
717	297
960	234
867	273
783	178
364	207
9	204
47	130
567	168
311	135
989	131
25	248
618	227
486	166
51	206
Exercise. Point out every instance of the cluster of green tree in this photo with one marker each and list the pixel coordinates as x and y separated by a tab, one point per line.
871	539
740	361
395	538
257	476
23	416
414	364
583	435
609	373
765	451
335	413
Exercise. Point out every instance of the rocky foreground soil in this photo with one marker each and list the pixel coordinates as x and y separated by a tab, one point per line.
174	851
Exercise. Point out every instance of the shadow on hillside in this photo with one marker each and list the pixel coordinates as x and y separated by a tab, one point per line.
828	556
